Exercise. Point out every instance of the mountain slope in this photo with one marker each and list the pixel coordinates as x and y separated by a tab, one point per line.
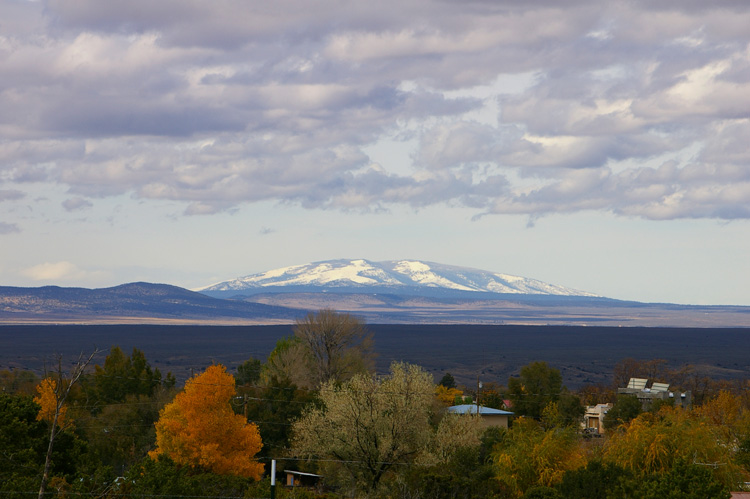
399	276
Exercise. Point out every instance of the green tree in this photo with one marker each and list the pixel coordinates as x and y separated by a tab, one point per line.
625	409
448	381
465	475
369	424
542	492
120	435
596	481
162	477
18	381
277	404
123	375
248	373
684	481
23	439
537	386
492	396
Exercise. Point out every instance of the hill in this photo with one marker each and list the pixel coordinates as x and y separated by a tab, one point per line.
133	302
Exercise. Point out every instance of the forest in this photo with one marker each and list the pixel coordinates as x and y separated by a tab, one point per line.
315	405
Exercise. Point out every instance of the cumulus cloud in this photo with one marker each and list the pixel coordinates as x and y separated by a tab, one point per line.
218	104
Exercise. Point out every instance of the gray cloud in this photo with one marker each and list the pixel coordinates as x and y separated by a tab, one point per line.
6	228
11	195
219	104
74	204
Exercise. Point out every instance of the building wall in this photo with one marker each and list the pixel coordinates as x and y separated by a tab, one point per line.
500	420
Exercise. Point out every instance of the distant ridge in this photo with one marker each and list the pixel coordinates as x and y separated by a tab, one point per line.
412	277
400	292
138	301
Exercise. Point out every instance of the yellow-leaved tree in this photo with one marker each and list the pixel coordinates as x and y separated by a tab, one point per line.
199	428
48	403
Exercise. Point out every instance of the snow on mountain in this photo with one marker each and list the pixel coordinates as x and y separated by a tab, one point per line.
356	274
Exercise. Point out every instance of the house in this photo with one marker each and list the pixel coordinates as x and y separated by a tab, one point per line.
490	417
300	479
657	391
593	418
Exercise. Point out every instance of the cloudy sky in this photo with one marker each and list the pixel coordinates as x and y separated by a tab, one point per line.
598	145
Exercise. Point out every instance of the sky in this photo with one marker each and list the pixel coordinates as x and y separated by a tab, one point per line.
597	145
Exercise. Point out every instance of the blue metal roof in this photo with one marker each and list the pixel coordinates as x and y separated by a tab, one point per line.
472	409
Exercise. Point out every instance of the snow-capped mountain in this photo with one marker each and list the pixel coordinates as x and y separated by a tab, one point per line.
392	276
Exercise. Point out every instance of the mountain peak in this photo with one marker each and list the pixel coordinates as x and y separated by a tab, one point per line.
395	276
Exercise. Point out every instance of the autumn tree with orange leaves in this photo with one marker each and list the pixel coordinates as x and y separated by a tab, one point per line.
199	428
48	403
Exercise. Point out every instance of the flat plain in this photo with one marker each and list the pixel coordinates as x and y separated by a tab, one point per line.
489	352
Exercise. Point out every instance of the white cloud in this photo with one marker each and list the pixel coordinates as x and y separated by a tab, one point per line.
50	272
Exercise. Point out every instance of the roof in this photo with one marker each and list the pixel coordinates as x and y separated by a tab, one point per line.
472	409
300	473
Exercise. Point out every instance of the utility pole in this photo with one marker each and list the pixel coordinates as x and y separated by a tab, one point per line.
479	389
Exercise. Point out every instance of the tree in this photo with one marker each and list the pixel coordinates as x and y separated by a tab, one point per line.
164	478
24	439
47	401
199	428
537	386
288	362
447	396
625	409
54	395
124	375
492	395
530	456
595	481
448	381
686	481
369	424
339	345
454	432
278	403
18	381
121	401
248	372
655	443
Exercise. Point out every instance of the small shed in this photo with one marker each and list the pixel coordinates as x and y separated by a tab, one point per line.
593	418
300	479
490	416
